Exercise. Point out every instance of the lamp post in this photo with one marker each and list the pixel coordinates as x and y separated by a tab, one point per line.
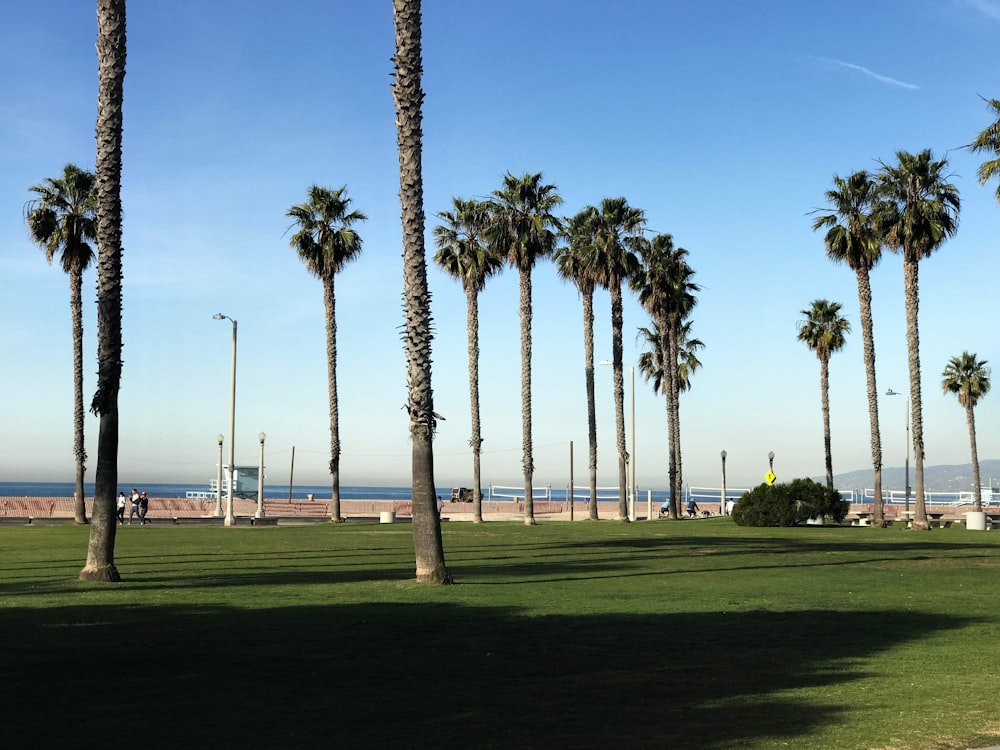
891	392
770	460
230	518
260	478
218	481
722	504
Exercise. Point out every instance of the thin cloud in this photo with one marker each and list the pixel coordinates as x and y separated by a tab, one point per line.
988	8
871	74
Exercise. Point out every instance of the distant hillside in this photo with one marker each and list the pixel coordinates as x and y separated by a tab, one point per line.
943	478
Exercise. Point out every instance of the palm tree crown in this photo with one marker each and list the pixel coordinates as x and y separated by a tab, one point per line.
462	250
967	377
989	142
523	226
61	220
918	208
823	329
325	240
851	236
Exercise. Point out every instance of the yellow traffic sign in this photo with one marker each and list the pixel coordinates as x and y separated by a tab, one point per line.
769	477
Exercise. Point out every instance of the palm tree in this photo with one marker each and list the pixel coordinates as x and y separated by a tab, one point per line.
576	262
989	142
852	238
417	334
100	565
969	379
326	242
61	221
616	231
824	331
463	255
667	292
916	212
523	230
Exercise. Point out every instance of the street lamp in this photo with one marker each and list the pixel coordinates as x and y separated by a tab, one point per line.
230	519
218	481
722	504
891	392
770	460
260	478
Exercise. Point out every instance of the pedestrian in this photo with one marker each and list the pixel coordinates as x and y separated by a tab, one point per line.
134	506
692	508
143	507
121	507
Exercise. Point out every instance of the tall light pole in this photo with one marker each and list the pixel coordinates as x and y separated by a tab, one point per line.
230	518
260	478
218	481
891	392
722	505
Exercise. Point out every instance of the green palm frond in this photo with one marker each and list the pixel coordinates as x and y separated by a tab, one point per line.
823	329
967	377
325	240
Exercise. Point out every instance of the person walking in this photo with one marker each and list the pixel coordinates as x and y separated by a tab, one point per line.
121	507
134	506
143	508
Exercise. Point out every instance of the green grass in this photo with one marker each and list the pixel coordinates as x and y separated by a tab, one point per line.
686	634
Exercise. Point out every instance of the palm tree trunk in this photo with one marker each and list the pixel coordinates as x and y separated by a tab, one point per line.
79	449
472	328
977	485
912	298
427	543
868	339
330	306
588	350
619	387
673	413
824	388
100	565
664	344
527	459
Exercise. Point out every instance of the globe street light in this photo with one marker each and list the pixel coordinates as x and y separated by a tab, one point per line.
260	478
722	505
230	519
770	460
218	481
891	392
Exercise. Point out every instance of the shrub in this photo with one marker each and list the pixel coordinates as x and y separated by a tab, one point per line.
789	504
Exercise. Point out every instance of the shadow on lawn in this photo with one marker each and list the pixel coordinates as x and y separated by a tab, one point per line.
430	675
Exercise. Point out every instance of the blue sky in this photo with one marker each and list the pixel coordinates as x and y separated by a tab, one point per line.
724	120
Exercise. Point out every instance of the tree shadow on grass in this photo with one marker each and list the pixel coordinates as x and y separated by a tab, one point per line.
431	676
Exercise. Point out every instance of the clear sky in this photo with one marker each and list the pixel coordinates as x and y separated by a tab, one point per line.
724	120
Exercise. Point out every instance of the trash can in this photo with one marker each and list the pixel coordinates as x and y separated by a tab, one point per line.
975	520
387	516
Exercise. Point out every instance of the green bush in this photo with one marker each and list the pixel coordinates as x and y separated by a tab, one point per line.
789	504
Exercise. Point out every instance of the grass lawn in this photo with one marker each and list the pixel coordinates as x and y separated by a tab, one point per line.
666	634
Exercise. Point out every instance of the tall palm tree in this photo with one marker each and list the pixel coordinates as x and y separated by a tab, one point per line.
576	262
917	211
463	255
968	378
100	565
325	241
989	142
853	239
824	331
61	222
616	232
523	230
417	334
667	292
